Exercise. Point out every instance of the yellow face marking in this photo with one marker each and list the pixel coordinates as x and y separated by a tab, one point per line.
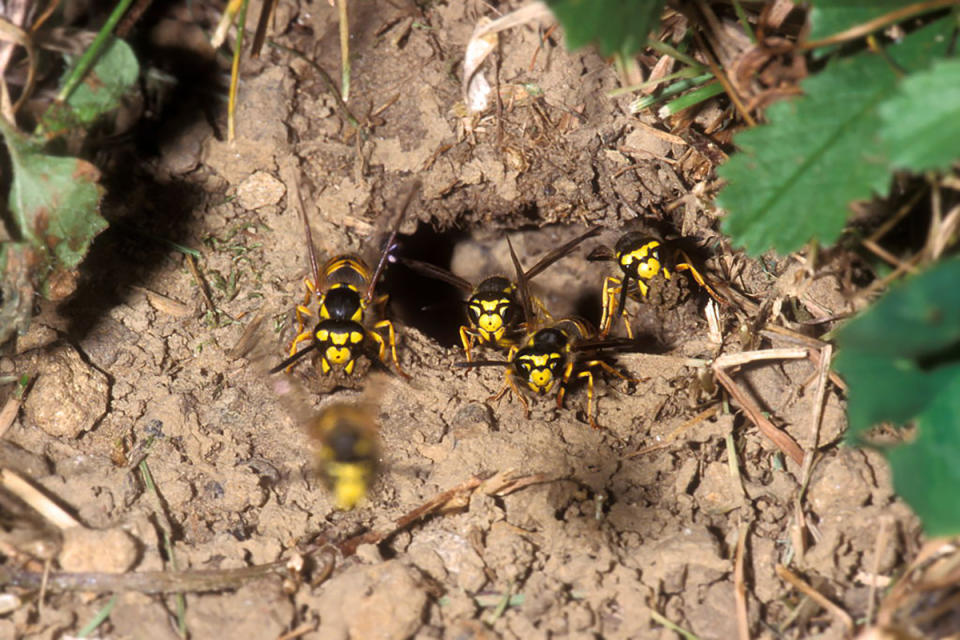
489	316
540	377
337	355
648	266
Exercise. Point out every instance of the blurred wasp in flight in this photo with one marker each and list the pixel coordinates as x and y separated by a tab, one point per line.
345	291
344	435
549	357
494	312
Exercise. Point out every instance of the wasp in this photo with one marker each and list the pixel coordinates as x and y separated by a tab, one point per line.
347	451
494	312
344	435
550	357
345	291
641	258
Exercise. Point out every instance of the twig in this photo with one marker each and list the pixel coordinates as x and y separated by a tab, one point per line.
201	283
35	499
706	414
152	582
132	16
235	73
739	585
780	438
9	413
876	24
659	618
798	583
344	49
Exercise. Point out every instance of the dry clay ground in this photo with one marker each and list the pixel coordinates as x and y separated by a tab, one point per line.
605	540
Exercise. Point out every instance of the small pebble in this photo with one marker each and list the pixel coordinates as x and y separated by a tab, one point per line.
260	189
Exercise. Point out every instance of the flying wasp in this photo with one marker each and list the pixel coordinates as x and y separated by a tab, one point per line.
344	435
494	312
548	358
345	291
641	258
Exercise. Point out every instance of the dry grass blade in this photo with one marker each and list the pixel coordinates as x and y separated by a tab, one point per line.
8	414
783	441
153	582
10	32
881	22
23	489
798	583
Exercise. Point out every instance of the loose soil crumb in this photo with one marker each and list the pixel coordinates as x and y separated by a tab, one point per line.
607	540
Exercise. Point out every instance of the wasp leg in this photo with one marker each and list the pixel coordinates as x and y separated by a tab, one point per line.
303	309
392	339
567	371
510	385
586	373
698	277
467	338
609	369
611	287
542	309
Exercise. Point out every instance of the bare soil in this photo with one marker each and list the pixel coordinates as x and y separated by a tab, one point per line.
138	364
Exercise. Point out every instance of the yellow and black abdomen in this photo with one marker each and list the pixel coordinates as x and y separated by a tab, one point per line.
347	453
346	269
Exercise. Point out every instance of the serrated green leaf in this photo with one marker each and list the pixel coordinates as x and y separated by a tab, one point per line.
886	389
901	361
918	318
921	123
793	179
54	201
615	26
926	472
828	17
101	91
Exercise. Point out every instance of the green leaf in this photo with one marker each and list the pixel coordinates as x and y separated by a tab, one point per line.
54	201
101	91
921	123
916	319
901	361
616	26
926	472
828	17
794	178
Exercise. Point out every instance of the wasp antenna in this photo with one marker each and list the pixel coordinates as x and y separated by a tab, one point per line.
561	251
482	363
437	273
522	285
600	254
388	247
308	237
295	357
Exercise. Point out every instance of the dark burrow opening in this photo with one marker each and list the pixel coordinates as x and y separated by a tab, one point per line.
433	307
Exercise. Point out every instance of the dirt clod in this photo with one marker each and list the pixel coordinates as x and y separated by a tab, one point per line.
109	550
69	396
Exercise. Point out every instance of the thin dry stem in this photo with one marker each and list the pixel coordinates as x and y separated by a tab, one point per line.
781	439
801	585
